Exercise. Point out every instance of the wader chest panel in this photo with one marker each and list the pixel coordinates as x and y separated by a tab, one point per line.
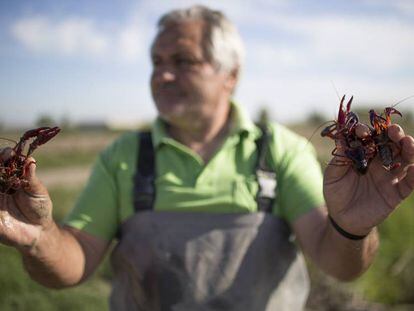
199	261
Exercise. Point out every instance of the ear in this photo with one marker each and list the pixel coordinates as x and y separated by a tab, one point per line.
232	79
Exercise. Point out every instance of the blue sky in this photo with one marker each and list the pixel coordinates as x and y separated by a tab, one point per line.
89	60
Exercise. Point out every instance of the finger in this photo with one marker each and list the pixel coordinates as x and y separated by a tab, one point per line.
407	149
395	133
402	154
402	148
15	228
7	220
33	199
34	186
406	185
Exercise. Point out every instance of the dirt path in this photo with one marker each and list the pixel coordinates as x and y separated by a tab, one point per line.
66	176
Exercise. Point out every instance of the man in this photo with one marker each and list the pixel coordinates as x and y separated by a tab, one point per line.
201	249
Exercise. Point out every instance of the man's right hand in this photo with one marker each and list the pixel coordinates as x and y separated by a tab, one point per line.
52	255
27	213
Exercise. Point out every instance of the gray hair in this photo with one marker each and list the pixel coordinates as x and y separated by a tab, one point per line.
223	46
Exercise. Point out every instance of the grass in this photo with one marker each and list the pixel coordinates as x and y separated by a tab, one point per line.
19	292
63	158
391	278
63	199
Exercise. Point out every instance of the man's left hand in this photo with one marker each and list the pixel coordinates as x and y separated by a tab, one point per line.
357	202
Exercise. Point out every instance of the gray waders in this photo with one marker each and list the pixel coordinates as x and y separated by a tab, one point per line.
200	261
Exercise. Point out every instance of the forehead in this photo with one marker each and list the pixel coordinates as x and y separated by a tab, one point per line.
180	36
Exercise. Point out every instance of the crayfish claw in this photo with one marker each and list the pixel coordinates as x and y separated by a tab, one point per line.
14	165
341	113
392	110
34	133
43	136
348	105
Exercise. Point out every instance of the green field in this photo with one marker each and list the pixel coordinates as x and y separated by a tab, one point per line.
391	278
389	281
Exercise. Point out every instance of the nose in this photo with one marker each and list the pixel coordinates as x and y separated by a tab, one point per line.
163	74
168	75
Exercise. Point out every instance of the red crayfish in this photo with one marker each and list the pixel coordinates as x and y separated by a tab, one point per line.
13	167
359	151
380	136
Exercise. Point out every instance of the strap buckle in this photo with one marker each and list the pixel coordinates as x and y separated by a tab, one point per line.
267	183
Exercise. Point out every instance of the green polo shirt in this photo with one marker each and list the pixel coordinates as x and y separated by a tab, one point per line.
184	182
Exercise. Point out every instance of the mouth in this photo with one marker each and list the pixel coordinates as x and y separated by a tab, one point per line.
169	95
172	91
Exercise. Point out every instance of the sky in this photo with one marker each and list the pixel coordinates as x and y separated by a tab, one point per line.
88	61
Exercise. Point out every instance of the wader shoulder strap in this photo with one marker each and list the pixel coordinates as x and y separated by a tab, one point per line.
144	187
266	177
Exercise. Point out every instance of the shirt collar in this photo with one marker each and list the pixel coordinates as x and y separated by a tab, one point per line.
240	120
241	124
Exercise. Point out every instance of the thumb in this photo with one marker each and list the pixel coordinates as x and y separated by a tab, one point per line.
33	199
33	186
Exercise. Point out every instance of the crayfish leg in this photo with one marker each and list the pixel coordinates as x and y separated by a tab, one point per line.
336	154
392	166
330	131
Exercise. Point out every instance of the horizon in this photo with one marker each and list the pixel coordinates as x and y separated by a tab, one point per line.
90	61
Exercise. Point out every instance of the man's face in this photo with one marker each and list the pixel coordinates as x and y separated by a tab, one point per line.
185	86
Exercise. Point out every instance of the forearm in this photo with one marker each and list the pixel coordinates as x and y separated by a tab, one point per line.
342	257
56	259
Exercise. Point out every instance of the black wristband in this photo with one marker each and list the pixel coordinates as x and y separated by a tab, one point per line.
345	233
